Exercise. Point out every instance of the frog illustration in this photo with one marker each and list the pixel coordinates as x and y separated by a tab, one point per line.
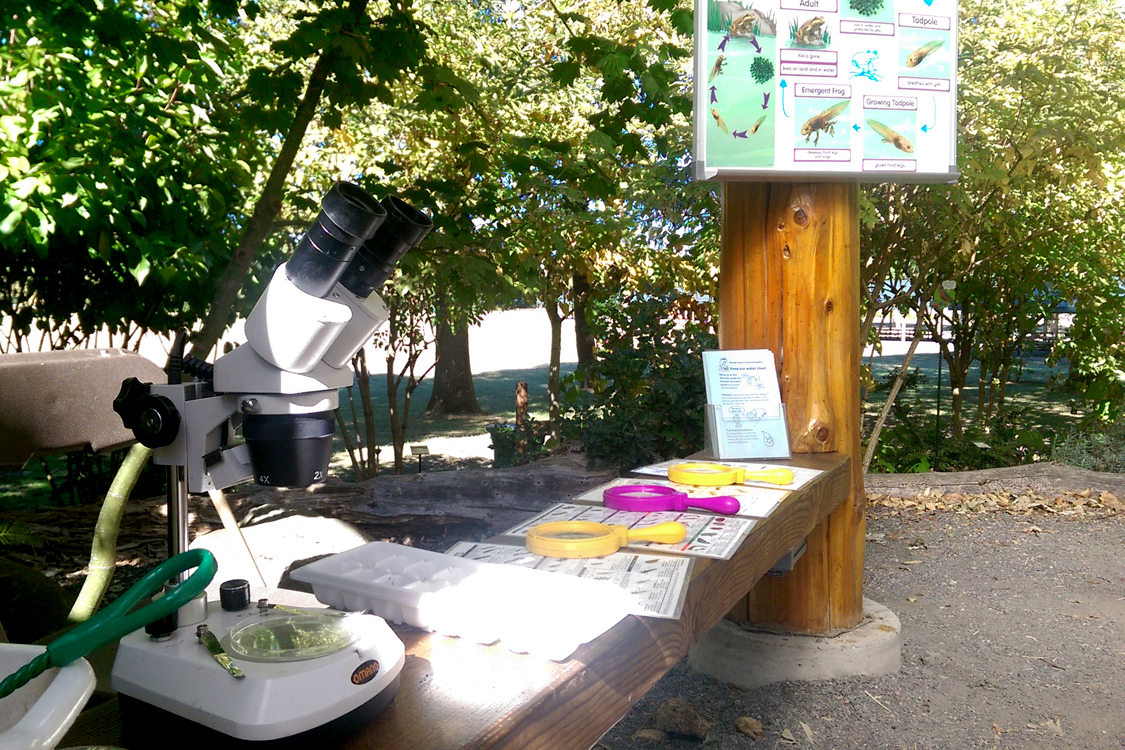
811	32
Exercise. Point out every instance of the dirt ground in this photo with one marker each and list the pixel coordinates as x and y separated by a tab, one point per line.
1013	637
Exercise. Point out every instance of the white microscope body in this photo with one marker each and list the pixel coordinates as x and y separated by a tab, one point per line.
280	388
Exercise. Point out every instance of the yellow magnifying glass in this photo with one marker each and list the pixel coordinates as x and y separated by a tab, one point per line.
717	475
590	539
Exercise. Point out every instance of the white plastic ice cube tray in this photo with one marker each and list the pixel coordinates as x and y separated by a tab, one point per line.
528	611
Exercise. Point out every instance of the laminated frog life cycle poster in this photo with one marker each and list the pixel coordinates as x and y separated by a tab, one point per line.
858	90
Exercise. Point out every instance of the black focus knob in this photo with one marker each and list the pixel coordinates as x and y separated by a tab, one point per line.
164	626
154	419
234	595
128	398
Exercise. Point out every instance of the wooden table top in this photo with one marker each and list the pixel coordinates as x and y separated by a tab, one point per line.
457	694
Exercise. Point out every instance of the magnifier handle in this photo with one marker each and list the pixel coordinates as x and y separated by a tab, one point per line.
778	475
721	504
668	532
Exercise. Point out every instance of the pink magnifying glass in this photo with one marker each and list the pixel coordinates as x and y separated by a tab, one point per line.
650	498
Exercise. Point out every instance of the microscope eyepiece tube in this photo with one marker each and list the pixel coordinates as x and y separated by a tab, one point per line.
404	227
348	216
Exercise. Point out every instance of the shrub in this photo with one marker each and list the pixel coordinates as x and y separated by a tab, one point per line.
1101	449
642	399
513	445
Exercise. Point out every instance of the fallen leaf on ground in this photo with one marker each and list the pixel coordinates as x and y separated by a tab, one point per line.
1066	502
680	717
1052	725
808	731
787	737
749	726
650	735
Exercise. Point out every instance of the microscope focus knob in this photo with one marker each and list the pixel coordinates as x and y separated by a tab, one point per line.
154	419
234	595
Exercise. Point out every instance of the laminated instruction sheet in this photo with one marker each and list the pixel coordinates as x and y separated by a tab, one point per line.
860	90
745	416
754	502
801	475
657	583
716	537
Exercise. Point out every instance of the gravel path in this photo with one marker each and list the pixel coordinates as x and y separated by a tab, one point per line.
1013	637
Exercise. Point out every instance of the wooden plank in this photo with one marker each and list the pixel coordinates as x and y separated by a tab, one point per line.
790	283
457	695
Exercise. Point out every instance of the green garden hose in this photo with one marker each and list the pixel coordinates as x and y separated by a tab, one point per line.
116	620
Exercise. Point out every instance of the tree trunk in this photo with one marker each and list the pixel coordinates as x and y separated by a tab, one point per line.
363	380
453	374
583	336
900	378
554	377
398	430
521	405
220	313
958	378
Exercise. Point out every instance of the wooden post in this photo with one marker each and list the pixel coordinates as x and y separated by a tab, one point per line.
789	282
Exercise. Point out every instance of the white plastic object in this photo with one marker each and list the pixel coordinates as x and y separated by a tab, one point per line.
291	329
38	714
276	698
367	316
527	611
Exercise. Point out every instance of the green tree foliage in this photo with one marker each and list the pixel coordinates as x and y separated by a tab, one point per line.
518	217
122	163
647	395
355	58
1035	216
148	145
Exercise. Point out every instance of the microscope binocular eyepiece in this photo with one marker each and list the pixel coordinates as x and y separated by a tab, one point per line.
281	387
403	228
348	216
355	240
346	255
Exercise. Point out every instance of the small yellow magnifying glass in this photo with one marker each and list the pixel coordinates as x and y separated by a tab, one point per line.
717	475
590	539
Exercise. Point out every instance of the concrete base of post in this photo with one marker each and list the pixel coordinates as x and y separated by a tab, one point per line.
749	658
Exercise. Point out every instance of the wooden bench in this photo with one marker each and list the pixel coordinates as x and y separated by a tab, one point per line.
457	694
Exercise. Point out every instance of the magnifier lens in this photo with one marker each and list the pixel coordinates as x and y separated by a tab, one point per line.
704	474
571	535
570	539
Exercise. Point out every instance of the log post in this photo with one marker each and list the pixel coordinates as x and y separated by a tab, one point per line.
789	282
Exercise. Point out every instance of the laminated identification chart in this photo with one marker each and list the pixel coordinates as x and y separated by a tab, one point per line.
745	417
657	583
860	90
707	536
754	502
801	475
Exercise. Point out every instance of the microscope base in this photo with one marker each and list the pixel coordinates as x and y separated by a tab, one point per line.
274	700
